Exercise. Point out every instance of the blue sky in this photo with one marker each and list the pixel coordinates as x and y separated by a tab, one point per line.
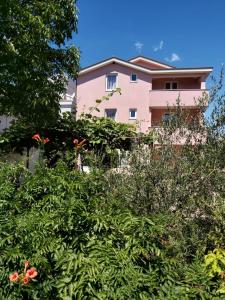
182	32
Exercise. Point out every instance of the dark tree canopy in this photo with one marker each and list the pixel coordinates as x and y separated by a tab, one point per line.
35	59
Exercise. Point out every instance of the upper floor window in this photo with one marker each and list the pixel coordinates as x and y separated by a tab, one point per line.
133	77
171	85
133	113
111	82
110	113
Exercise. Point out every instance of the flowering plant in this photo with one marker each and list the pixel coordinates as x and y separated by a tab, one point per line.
24	277
37	138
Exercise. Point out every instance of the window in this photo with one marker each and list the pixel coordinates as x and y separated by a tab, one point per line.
133	113
171	85
110	113
174	85
133	77
111	82
168	117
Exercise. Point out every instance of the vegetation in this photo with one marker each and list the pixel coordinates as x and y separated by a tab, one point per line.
150	228
35	58
153	229
84	244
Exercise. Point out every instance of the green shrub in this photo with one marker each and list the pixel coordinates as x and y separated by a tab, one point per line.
85	245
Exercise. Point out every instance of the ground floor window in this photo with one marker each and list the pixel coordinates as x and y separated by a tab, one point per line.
133	113
110	113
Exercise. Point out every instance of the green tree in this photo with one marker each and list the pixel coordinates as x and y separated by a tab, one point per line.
36	58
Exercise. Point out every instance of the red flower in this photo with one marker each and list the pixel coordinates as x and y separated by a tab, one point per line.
36	137
26	280
45	140
14	277
31	273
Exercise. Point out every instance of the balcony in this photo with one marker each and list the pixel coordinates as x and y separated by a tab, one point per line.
188	97
179	136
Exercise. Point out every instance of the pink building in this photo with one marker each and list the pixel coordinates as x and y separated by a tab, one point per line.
148	88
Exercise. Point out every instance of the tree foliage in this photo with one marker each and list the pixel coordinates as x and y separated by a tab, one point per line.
35	58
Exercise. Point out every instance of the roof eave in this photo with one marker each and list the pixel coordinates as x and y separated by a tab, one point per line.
143	69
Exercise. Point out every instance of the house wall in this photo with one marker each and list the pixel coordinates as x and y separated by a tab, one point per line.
92	86
5	122
148	95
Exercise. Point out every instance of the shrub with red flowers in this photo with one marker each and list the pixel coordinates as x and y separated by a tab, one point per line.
25	276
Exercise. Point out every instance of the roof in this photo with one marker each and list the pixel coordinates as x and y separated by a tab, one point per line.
156	62
130	64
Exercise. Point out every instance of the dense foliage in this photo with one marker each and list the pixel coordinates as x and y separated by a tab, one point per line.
35	58
102	136
85	244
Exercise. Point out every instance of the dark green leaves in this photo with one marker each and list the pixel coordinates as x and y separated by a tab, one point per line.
35	60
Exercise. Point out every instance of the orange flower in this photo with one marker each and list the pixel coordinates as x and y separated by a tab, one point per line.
77	144
14	277
36	137
45	140
75	141
31	273
27	263
26	280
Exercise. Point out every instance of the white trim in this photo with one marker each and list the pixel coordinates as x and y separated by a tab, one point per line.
131	77
174	71
132	118
150	61
145	70
106	78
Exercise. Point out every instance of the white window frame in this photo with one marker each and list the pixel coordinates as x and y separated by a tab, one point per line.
135	117
110	109
131	77
106	81
171	85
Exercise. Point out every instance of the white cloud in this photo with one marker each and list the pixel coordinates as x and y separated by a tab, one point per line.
139	46
173	57
159	47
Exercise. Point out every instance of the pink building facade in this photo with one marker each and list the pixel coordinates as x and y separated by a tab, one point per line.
149	88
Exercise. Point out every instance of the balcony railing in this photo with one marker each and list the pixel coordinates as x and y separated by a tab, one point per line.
162	98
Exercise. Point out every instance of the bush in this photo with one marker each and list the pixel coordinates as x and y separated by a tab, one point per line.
85	245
